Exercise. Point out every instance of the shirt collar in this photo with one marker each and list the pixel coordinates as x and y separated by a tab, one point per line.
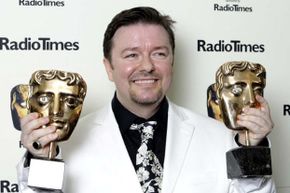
125	118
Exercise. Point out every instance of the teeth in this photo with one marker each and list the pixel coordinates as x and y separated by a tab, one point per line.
144	81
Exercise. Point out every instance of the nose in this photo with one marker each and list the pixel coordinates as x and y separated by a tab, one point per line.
56	108
250	98
147	64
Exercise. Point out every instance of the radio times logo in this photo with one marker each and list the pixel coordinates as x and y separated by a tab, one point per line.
229	46
286	109
232	6
39	3
41	43
7	186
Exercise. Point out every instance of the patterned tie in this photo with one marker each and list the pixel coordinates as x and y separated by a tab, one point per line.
149	169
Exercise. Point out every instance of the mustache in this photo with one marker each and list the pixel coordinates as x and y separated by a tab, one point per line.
144	74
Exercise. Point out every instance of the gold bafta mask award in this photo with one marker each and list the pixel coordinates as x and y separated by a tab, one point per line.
236	87
58	95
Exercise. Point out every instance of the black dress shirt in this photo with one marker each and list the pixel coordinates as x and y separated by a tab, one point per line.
132	138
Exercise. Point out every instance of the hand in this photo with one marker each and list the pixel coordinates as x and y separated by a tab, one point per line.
257	120
33	129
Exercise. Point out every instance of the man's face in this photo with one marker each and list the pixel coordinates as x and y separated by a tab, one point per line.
141	64
239	91
60	102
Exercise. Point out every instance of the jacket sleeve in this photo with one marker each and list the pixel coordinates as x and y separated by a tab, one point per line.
252	185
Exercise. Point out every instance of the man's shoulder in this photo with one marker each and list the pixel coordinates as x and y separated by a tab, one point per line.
186	114
202	125
97	115
87	129
91	121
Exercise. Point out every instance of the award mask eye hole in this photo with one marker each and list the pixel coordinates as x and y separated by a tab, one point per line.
72	102
258	90
237	90
43	99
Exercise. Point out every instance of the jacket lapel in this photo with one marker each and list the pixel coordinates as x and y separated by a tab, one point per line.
106	140
103	157
120	159
179	135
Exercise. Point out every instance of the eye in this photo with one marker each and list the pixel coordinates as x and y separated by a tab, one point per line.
72	102
132	55
43	99
160	54
237	90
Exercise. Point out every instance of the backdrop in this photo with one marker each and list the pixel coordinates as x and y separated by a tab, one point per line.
67	35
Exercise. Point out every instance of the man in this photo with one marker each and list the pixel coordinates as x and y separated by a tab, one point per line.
189	150
239	87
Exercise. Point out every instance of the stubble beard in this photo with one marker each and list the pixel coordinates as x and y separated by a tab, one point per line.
146	101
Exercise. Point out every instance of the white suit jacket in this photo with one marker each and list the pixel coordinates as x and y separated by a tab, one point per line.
97	160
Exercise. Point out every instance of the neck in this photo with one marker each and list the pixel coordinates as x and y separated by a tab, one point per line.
141	110
145	111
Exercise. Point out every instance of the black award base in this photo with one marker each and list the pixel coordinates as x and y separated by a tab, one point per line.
248	162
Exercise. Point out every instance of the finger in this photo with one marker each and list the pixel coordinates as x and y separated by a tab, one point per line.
47	139
253	111
252	138
43	152
41	133
253	123
36	145
259	114
27	138
28	118
264	104
44	136
34	124
256	133
257	126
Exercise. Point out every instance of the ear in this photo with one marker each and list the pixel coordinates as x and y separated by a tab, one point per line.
109	68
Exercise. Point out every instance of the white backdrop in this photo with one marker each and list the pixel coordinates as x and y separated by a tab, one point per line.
260	23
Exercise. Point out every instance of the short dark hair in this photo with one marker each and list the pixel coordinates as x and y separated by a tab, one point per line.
147	15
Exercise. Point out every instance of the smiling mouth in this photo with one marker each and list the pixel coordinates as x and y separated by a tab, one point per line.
146	81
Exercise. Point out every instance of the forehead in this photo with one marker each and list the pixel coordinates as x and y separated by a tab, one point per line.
56	86
140	33
245	76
